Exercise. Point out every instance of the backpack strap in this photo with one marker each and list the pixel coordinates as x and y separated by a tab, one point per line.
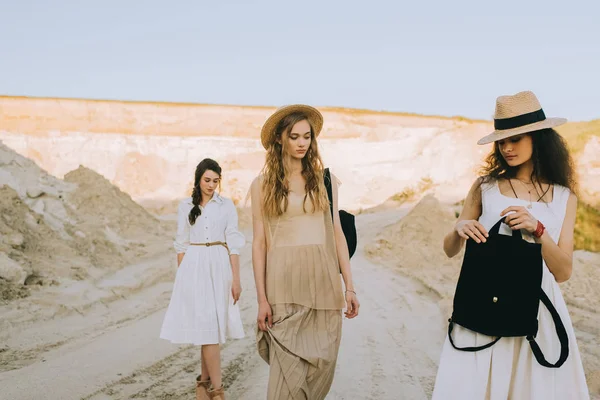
535	348
327	176
560	331
485	346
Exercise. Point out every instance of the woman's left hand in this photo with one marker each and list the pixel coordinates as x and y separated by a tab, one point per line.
520	219
352	305
236	290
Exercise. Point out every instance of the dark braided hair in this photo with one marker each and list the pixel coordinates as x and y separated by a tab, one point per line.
205	165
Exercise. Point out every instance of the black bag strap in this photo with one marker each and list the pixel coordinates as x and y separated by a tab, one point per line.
327	176
560	331
485	346
537	352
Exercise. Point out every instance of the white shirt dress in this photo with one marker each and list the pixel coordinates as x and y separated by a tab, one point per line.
201	310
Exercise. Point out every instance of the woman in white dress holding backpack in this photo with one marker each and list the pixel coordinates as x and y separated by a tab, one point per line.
203	309
529	180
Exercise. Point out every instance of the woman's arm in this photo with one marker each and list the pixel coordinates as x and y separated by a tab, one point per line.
259	245
182	237
235	242
236	284
343	254
558	257
467	225
259	257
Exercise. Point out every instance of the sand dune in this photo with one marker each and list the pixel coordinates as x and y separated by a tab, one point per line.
57	231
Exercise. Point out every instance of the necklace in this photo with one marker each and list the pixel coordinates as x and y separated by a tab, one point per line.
525	183
530	205
517	196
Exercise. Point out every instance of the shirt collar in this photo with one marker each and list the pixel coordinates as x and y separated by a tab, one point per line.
216	198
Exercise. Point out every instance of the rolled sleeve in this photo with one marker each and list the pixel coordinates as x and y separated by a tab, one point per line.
233	237
182	238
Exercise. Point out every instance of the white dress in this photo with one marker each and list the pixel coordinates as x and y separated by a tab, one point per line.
508	369
201	310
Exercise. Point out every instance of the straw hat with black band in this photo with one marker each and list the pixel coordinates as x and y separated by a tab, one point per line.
519	114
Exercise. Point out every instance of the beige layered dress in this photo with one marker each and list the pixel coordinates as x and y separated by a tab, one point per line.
304	289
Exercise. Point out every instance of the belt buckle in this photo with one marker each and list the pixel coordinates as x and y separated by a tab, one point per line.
207	244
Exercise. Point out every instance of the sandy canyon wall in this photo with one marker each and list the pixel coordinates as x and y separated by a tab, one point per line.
150	150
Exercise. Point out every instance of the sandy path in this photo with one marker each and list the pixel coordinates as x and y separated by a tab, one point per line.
390	351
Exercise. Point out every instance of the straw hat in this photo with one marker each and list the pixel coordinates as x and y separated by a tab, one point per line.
267	134
518	114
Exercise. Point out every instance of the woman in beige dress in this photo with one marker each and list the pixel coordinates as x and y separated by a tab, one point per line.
298	252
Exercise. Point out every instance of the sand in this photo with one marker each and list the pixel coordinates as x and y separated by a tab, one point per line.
94	334
413	247
426	224
110	349
103	342
87	264
59	231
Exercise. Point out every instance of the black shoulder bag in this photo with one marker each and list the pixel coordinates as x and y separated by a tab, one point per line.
499	291
346	219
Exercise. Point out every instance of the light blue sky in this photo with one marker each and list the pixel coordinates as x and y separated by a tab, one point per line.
430	57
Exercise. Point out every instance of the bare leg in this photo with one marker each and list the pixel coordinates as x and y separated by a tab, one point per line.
204	368
211	354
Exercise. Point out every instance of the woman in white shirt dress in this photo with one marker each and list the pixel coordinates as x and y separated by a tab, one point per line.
203	309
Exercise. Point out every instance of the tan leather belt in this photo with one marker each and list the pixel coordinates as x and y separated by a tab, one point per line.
209	244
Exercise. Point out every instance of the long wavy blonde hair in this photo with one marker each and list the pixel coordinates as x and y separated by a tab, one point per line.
275	186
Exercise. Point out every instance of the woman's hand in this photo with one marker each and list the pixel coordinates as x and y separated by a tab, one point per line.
471	228
236	290
519	219
352	305
265	316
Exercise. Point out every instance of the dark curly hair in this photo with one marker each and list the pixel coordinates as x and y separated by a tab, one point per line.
552	163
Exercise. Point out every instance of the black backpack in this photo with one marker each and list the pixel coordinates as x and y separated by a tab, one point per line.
346	219
499	291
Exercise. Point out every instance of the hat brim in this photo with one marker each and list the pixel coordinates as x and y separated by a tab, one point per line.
267	134
503	134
